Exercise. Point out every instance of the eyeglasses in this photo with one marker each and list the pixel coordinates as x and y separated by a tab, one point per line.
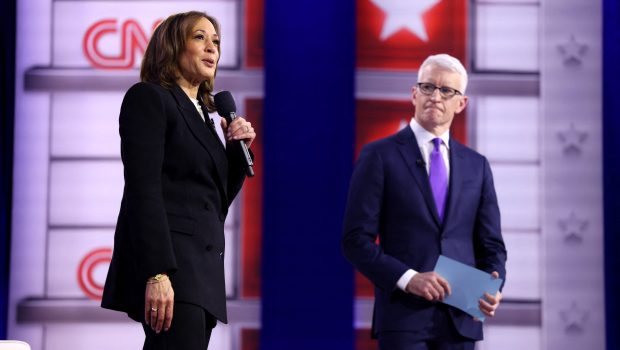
444	91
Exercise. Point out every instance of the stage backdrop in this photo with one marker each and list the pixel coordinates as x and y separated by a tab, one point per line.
535	113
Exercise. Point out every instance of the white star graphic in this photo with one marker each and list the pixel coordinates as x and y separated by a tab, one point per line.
572	140
573	228
404	14
573	51
574	318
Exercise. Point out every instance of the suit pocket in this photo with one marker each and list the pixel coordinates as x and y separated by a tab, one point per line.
181	224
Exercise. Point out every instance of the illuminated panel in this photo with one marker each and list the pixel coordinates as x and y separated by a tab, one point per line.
78	261
221	337
364	341
517	188
523	266
100	336
401	38
251	224
231	229
85	124
114	34
250	339
511	338
507	37
85	192
507	128
254	36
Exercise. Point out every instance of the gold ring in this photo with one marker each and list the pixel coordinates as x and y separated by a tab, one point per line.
153	309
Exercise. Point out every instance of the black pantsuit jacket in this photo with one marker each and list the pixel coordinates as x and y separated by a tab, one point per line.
179	183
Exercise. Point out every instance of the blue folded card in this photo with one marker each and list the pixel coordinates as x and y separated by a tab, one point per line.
468	285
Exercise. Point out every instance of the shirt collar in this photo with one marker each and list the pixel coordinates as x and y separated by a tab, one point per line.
424	137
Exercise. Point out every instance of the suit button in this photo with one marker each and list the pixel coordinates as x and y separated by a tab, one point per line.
209	247
222	255
207	206
222	217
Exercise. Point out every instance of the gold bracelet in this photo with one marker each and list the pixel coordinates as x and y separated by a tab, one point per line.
157	278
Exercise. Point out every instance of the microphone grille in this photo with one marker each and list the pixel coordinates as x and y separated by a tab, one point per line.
224	103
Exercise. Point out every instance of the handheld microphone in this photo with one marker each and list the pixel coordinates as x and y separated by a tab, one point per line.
226	108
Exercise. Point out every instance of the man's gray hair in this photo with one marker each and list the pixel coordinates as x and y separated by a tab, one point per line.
446	61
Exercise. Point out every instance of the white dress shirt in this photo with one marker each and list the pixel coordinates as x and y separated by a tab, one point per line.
215	118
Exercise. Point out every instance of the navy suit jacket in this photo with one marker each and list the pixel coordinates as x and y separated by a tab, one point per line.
179	183
390	196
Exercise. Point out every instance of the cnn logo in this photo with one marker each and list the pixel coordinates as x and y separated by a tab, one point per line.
89	273
130	35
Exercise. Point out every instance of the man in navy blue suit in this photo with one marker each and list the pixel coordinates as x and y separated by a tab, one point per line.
424	195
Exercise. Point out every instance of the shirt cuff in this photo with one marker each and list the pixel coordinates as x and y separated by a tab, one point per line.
403	281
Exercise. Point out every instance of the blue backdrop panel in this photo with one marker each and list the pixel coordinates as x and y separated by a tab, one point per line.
611	171
307	286
7	98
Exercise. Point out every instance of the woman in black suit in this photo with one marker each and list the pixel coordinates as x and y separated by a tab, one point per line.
180	179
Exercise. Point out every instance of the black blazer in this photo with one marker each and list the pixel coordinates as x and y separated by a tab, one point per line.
390	196
179	183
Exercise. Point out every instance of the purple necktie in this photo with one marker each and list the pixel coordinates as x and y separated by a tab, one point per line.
439	177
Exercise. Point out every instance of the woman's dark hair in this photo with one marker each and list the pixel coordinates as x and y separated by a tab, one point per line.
160	64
